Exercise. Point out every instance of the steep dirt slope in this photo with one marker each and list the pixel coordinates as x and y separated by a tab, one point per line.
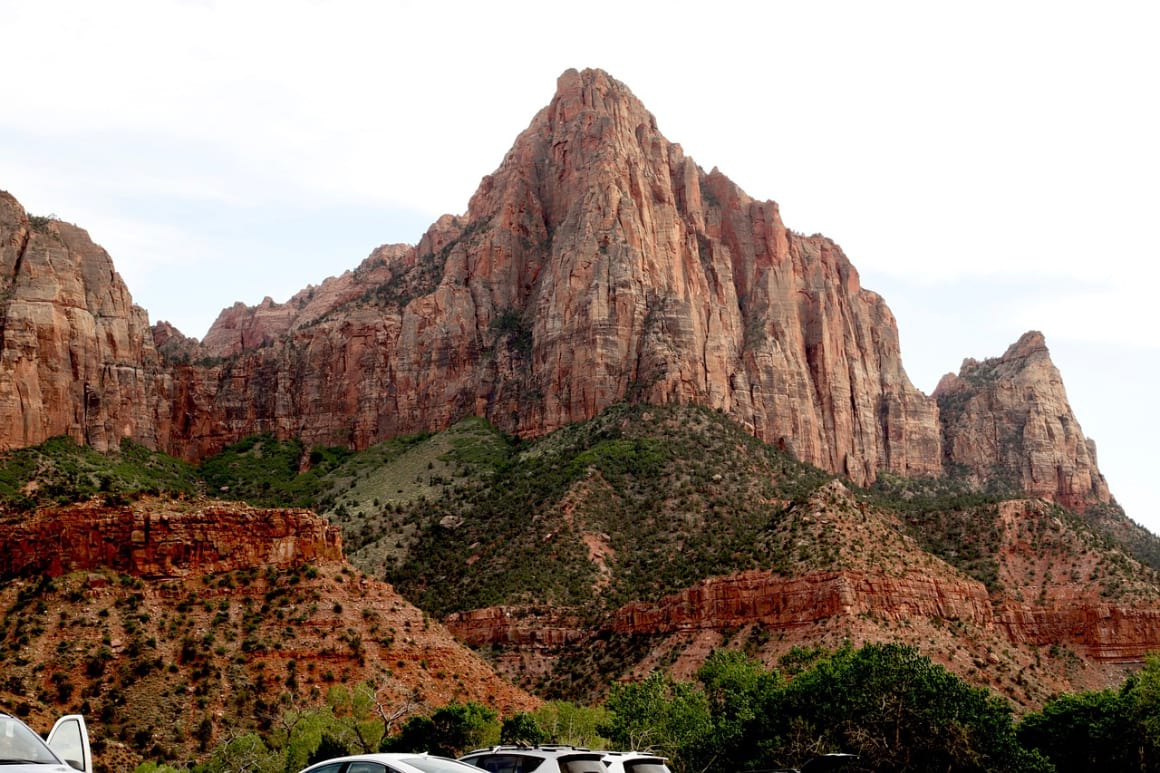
174	625
1066	613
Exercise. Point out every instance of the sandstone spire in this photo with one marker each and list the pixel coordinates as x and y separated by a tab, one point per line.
1009	418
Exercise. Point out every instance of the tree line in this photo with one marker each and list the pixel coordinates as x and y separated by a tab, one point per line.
886	703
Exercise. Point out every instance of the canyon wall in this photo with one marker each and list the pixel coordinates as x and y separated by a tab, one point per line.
597	264
76	356
159	542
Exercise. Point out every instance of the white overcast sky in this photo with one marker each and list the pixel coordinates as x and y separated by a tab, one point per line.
989	167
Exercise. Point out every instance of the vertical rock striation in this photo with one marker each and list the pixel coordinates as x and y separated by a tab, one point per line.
1008	419
76	356
597	264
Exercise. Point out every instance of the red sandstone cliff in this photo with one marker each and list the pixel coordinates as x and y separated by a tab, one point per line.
598	263
1009	416
158	543
76	357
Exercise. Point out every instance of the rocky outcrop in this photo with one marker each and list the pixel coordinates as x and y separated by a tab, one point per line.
76	356
762	598
1008	419
1058	584
597	264
171	344
196	602
163	543
1102	630
515	626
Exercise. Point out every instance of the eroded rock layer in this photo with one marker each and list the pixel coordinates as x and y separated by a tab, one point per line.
597	264
154	543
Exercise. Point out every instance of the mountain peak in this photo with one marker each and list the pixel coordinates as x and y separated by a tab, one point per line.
573	82
1010	416
573	79
596	265
1030	343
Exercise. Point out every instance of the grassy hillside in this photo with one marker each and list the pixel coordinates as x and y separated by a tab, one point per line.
634	504
60	471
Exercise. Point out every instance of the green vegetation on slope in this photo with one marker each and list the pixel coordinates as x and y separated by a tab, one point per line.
59	471
634	504
378	496
885	703
949	520
268	472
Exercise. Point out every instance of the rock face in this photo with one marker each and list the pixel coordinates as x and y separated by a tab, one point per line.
759	597
76	356
1103	631
504	627
164	544
597	264
1009	418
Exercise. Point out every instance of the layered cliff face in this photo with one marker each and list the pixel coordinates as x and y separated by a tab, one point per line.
158	543
76	356
597	264
1008	418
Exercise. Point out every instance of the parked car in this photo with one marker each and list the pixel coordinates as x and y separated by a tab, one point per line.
826	762
541	759
823	764
563	759
389	762
635	762
66	750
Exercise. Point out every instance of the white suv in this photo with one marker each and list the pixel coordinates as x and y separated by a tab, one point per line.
562	759
541	759
635	762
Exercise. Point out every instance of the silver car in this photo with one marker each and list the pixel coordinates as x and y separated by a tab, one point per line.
389	762
635	762
541	759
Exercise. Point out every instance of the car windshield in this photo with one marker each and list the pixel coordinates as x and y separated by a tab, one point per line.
19	744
